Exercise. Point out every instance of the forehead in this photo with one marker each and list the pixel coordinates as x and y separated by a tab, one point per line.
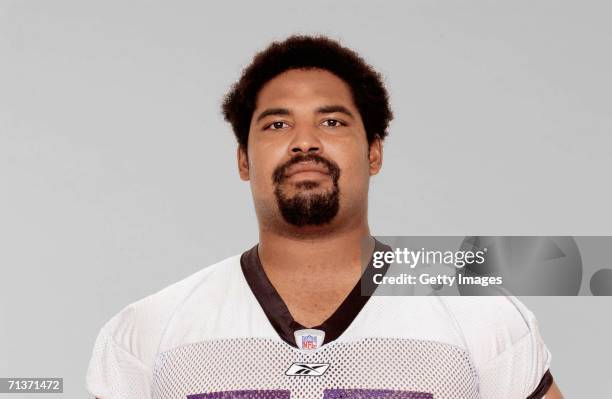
304	85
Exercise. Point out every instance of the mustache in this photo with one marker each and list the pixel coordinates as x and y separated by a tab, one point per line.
280	172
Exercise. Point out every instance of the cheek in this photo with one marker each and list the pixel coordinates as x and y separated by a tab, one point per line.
260	178
262	163
355	173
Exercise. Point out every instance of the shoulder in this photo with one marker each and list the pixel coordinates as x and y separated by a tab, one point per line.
139	327
490	325
505	345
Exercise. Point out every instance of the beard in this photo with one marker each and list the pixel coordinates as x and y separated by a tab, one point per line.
306	208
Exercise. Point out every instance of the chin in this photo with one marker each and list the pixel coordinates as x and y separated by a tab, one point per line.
307	188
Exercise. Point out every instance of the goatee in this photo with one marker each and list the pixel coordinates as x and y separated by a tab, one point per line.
304	208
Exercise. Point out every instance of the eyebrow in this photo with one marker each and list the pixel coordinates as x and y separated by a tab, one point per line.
326	109
273	111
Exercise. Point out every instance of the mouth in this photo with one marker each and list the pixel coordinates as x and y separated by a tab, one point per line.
307	170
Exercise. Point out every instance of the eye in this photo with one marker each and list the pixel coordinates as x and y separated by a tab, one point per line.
276	125
333	123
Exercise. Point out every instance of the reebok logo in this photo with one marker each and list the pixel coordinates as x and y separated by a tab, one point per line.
307	369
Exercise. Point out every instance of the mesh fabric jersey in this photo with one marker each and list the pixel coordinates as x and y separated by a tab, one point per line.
210	336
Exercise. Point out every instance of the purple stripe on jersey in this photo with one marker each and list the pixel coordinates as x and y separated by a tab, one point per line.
246	394
373	394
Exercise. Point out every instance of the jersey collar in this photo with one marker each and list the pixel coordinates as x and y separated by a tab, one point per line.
277	312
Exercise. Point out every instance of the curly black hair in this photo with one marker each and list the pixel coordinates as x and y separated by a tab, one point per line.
306	52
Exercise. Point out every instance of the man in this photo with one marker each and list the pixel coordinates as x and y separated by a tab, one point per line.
286	319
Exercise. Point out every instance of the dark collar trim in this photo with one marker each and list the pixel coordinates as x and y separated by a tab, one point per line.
277	312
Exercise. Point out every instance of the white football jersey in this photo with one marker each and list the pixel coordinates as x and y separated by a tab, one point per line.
224	333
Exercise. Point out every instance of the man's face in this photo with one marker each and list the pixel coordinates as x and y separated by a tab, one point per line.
308	158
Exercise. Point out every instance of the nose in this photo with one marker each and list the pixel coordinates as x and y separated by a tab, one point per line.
305	141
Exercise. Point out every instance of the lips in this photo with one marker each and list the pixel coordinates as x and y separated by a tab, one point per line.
309	166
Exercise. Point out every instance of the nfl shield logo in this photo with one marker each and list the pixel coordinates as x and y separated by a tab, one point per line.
309	342
309	338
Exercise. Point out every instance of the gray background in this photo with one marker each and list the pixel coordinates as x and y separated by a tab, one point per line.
118	176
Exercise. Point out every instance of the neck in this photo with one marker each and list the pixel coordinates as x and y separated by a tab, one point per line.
314	273
337	252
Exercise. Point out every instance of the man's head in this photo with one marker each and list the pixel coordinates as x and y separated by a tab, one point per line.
309	116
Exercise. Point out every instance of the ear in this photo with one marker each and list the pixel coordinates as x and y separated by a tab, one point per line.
375	156
243	163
